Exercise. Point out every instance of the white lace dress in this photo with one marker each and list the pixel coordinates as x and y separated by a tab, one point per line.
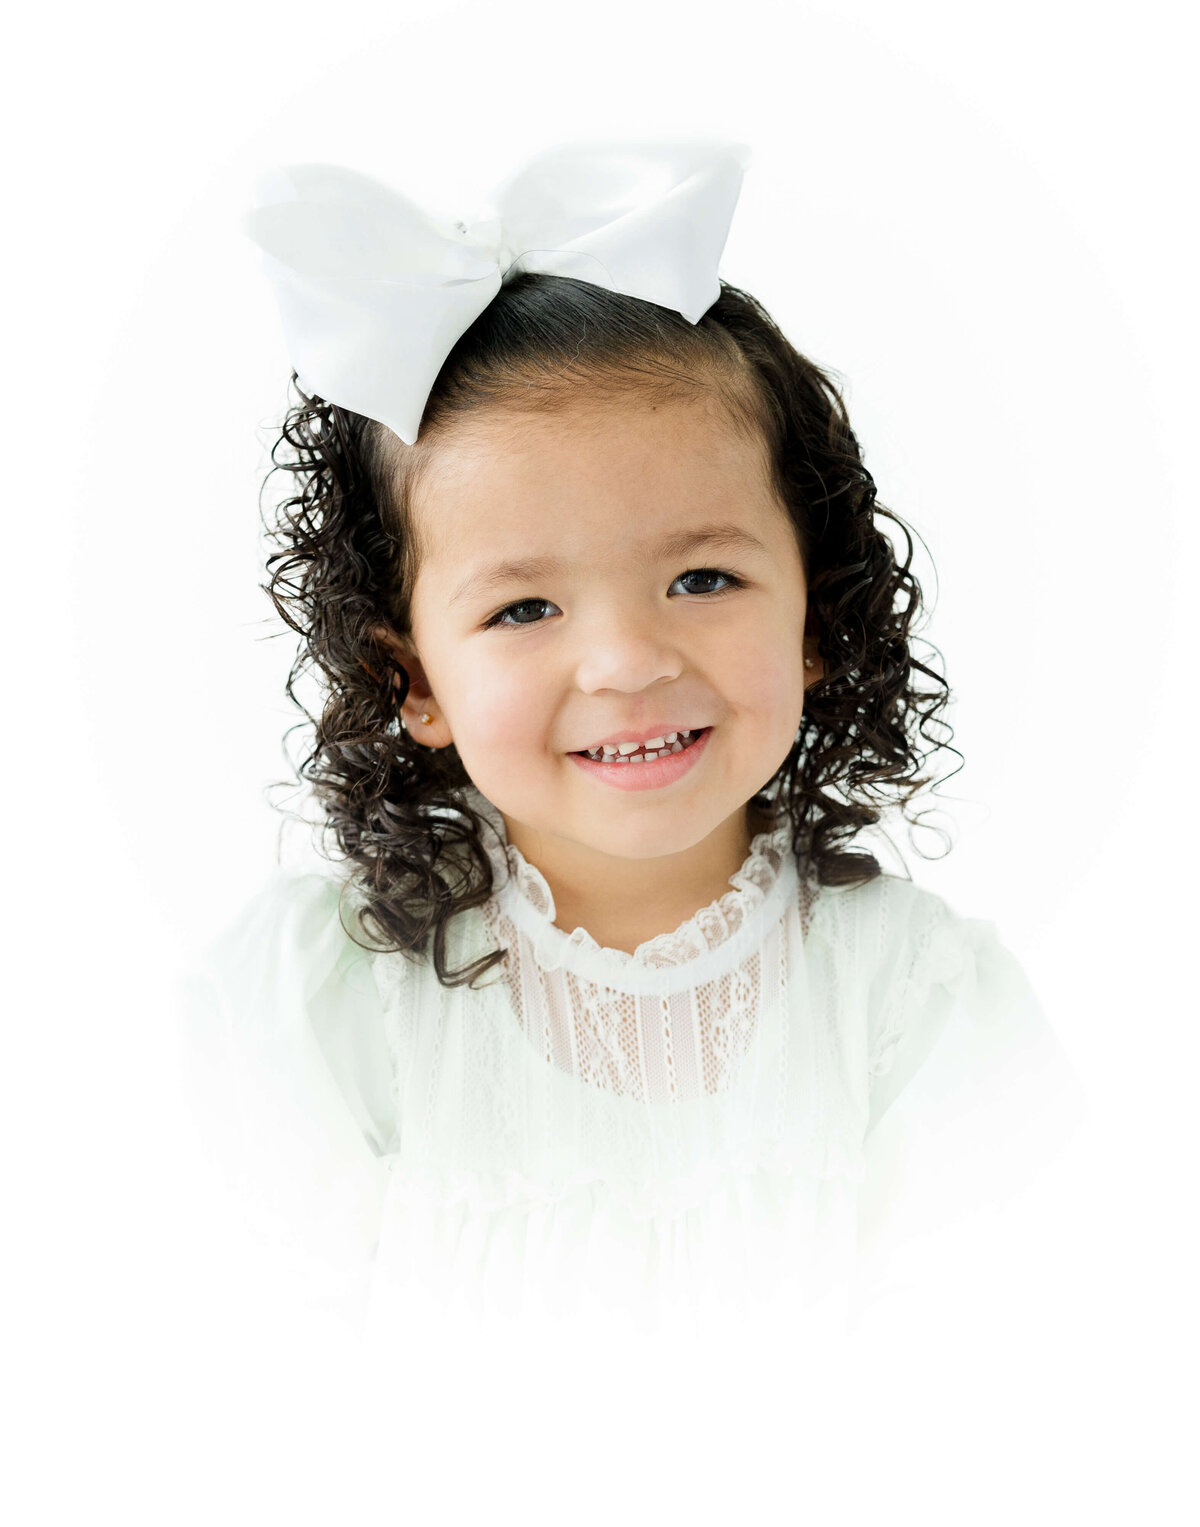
728	1117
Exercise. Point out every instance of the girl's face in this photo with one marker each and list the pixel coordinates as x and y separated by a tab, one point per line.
613	633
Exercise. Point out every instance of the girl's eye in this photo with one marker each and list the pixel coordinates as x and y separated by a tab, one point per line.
731	579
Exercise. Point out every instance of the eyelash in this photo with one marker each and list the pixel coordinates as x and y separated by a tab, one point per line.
497	620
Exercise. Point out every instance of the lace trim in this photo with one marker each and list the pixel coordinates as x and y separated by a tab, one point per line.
705	930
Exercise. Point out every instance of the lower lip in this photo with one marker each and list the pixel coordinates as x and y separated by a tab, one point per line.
645	776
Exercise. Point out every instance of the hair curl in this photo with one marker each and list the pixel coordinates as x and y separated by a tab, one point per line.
349	554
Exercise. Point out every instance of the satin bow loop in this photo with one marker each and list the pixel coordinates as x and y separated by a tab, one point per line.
374	292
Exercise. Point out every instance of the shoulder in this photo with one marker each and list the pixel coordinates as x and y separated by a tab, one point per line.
290	904
293	932
911	959
908	939
938	982
891	921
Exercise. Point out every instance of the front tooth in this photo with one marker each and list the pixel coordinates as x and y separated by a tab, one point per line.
652	744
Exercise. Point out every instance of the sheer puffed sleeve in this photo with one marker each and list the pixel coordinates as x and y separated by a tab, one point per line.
287	1072
971	1100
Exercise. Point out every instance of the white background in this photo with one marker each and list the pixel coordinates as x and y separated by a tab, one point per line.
980	218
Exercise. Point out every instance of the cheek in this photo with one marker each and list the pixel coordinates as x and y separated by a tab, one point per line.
756	660
762	675
495	706
502	736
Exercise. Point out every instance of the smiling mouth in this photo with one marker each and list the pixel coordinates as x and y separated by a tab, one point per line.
684	741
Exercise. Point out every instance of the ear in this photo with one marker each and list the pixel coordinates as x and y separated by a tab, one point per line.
420	700
817	671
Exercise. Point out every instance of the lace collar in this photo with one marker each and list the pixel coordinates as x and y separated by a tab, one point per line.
711	941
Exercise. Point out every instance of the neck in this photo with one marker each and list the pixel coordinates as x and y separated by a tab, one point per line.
626	902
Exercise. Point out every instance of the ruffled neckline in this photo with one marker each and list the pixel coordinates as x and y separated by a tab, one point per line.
730	925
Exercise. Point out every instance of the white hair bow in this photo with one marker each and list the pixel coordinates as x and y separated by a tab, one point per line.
374	292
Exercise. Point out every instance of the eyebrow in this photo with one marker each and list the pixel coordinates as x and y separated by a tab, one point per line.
527	569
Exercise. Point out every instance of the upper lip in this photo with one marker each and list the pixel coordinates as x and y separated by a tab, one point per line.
662	729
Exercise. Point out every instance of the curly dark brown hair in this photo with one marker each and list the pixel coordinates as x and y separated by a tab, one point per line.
348	559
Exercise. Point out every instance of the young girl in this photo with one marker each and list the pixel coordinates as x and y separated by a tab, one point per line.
603	1005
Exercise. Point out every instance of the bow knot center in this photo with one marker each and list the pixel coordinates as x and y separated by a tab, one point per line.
488	233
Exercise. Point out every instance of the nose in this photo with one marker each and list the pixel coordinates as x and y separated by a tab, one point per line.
629	652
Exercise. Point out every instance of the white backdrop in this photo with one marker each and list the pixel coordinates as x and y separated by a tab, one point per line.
980	220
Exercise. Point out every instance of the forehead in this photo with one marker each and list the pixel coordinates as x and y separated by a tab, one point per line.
586	473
